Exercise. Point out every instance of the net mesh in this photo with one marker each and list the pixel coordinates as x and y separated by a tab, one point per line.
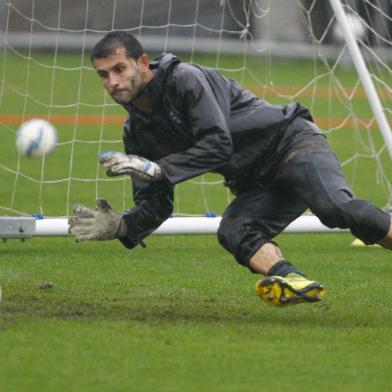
282	52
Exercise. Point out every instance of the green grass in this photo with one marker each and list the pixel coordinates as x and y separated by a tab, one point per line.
182	315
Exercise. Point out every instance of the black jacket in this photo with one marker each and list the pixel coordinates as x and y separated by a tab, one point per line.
201	122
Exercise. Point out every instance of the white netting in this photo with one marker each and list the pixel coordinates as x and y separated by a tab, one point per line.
282	51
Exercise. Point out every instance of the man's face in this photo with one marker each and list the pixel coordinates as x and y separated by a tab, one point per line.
122	77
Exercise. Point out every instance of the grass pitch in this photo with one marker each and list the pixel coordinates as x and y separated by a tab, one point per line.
180	315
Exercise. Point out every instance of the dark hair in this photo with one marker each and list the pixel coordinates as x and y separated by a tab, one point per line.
117	39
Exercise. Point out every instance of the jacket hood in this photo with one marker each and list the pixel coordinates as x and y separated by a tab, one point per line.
162	65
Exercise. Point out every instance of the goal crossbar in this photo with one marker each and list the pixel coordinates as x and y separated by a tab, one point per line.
24	227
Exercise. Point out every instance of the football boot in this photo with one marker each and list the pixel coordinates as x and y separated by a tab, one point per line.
282	291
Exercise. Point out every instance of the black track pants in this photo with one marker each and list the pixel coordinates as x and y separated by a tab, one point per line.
309	176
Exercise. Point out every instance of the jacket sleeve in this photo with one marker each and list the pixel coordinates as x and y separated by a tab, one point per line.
153	202
207	123
153	205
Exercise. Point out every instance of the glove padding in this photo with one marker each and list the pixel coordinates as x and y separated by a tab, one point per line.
117	163
101	223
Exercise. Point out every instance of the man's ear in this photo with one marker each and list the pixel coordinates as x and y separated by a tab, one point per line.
144	60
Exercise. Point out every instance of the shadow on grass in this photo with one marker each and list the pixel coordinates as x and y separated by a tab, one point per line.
163	310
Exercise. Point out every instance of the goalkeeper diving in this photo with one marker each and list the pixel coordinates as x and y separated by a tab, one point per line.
185	120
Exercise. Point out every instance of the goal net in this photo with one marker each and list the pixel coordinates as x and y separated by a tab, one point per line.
283	51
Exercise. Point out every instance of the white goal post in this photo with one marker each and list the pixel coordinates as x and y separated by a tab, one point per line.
363	73
347	87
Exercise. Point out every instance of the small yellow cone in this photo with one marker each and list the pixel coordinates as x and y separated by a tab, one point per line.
359	243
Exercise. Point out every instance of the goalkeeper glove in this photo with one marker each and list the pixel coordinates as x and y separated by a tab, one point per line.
101	223
117	163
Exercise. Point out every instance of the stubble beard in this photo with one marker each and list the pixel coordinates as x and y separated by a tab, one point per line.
134	90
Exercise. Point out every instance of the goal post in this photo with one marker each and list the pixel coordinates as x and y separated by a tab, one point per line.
333	56
363	73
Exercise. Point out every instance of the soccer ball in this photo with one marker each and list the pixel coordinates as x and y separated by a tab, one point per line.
36	137
356	25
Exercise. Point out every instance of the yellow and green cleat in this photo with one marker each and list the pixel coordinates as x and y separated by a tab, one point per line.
280	291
